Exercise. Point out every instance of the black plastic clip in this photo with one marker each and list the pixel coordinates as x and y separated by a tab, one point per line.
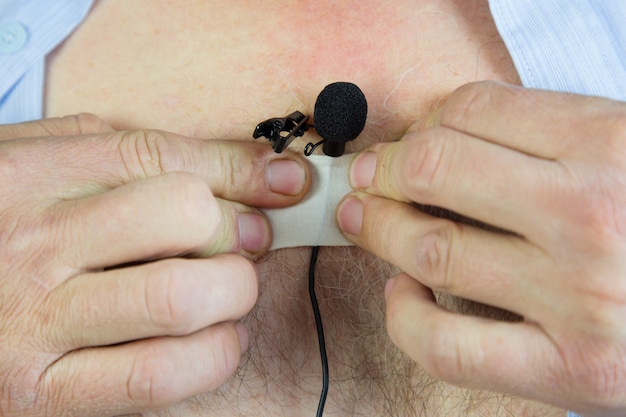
282	131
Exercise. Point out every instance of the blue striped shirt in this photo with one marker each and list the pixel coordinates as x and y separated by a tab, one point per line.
576	46
29	30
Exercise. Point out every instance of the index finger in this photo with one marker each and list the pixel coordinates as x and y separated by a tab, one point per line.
474	178
544	124
77	166
79	124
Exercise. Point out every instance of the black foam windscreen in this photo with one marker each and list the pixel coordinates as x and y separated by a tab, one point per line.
340	112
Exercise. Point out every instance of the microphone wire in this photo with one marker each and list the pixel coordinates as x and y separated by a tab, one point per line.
320	331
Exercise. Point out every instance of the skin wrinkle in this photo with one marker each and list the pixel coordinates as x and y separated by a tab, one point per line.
369	375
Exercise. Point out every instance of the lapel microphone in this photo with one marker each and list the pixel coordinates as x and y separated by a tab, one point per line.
339	116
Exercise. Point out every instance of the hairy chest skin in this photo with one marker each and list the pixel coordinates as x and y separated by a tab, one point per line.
213	69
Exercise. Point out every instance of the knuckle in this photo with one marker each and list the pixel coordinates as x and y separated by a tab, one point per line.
68	125
30	255
444	355
601	228
194	193
604	298
87	123
467	101
433	256
224	235
426	165
143	152
599	221
196	206
226	162
165	298
225	355
76	124
377	234
147	385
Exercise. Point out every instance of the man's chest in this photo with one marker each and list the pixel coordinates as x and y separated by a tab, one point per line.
215	69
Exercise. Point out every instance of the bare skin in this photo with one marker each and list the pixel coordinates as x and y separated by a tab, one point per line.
212	71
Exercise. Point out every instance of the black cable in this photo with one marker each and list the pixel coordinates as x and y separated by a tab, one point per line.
320	331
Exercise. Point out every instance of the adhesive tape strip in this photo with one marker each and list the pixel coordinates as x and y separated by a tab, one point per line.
312	221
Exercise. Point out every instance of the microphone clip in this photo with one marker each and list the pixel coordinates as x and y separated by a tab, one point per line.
282	131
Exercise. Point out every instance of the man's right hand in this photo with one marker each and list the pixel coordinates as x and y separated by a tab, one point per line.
124	262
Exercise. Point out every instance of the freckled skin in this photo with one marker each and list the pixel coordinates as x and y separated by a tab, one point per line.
214	70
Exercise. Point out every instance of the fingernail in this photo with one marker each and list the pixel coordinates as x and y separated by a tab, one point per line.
363	170
350	216
389	287
285	176
253	232
244	339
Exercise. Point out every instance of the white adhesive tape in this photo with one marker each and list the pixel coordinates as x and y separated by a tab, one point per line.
312	221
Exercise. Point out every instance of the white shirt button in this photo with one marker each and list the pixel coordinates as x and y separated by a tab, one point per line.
13	37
